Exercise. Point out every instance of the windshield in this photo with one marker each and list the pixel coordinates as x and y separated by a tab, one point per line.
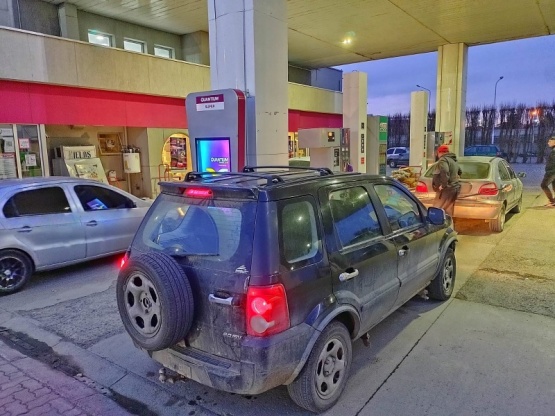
470	170
218	233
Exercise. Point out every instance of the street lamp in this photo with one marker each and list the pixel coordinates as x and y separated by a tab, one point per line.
494	109
534	114
429	99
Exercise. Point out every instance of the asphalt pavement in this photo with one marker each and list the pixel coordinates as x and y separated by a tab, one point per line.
488	350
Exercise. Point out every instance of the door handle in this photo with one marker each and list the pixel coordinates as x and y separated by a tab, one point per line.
403	251
25	229
348	274
92	223
220	301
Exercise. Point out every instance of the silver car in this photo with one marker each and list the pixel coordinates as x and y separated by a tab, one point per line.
490	188
52	222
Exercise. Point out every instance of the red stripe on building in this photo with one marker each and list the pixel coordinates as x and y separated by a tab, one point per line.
33	103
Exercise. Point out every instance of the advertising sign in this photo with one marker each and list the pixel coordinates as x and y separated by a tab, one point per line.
210	102
213	154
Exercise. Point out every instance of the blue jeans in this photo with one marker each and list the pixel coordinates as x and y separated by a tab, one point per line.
548	179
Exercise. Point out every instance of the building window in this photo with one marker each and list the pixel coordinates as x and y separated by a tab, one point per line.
163	51
99	38
133	45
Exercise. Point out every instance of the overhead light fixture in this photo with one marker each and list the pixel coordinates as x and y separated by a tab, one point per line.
347	41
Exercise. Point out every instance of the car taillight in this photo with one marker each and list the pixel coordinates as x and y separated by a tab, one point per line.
421	187
489	189
267	310
199	193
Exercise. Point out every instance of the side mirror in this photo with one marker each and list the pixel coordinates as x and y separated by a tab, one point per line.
521	174
436	216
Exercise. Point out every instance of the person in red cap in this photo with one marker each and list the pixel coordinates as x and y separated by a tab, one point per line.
446	180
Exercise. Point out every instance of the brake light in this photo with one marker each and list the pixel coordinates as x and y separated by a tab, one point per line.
267	311
199	193
488	189
421	187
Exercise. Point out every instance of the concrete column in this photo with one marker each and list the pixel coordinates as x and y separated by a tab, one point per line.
248	51
418	128
196	48
69	23
451	94
355	97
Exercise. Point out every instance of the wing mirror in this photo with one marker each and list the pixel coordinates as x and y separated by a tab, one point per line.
436	216
521	174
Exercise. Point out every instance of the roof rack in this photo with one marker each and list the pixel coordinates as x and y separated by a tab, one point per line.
249	172
270	179
322	171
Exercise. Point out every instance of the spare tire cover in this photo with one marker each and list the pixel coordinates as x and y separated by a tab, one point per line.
155	301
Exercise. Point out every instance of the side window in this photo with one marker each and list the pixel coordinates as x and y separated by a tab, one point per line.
354	217
512	173
390	151
51	200
400	209
95	198
504	173
299	233
401	151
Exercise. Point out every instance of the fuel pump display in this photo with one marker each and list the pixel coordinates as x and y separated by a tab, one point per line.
213	154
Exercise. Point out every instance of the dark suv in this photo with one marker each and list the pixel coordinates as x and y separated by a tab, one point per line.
250	280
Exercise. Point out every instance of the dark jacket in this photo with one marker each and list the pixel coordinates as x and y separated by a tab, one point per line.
447	172
550	164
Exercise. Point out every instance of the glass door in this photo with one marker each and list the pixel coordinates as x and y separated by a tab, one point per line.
29	148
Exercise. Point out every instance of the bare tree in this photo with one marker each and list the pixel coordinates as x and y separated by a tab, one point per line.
472	126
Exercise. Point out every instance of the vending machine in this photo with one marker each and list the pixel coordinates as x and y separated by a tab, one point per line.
216	122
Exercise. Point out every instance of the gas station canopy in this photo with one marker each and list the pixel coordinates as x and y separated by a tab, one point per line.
325	33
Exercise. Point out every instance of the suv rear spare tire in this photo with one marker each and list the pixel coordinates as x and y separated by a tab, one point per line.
155	301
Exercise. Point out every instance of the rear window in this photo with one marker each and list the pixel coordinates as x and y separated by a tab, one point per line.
470	170
216	233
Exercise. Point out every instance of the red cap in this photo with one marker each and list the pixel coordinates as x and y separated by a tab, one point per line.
443	149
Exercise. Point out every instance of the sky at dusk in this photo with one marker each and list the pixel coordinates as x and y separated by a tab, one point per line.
527	67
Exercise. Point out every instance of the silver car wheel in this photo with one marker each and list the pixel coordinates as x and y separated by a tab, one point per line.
143	304
448	274
330	368
15	270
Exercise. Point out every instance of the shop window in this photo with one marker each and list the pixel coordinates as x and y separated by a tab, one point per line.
51	200
176	158
163	51
8	164
134	45
99	38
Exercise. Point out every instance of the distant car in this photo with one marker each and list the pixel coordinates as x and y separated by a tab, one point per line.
52	222
490	188
397	156
485	150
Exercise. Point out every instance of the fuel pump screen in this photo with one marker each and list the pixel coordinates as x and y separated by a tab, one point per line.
213	154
